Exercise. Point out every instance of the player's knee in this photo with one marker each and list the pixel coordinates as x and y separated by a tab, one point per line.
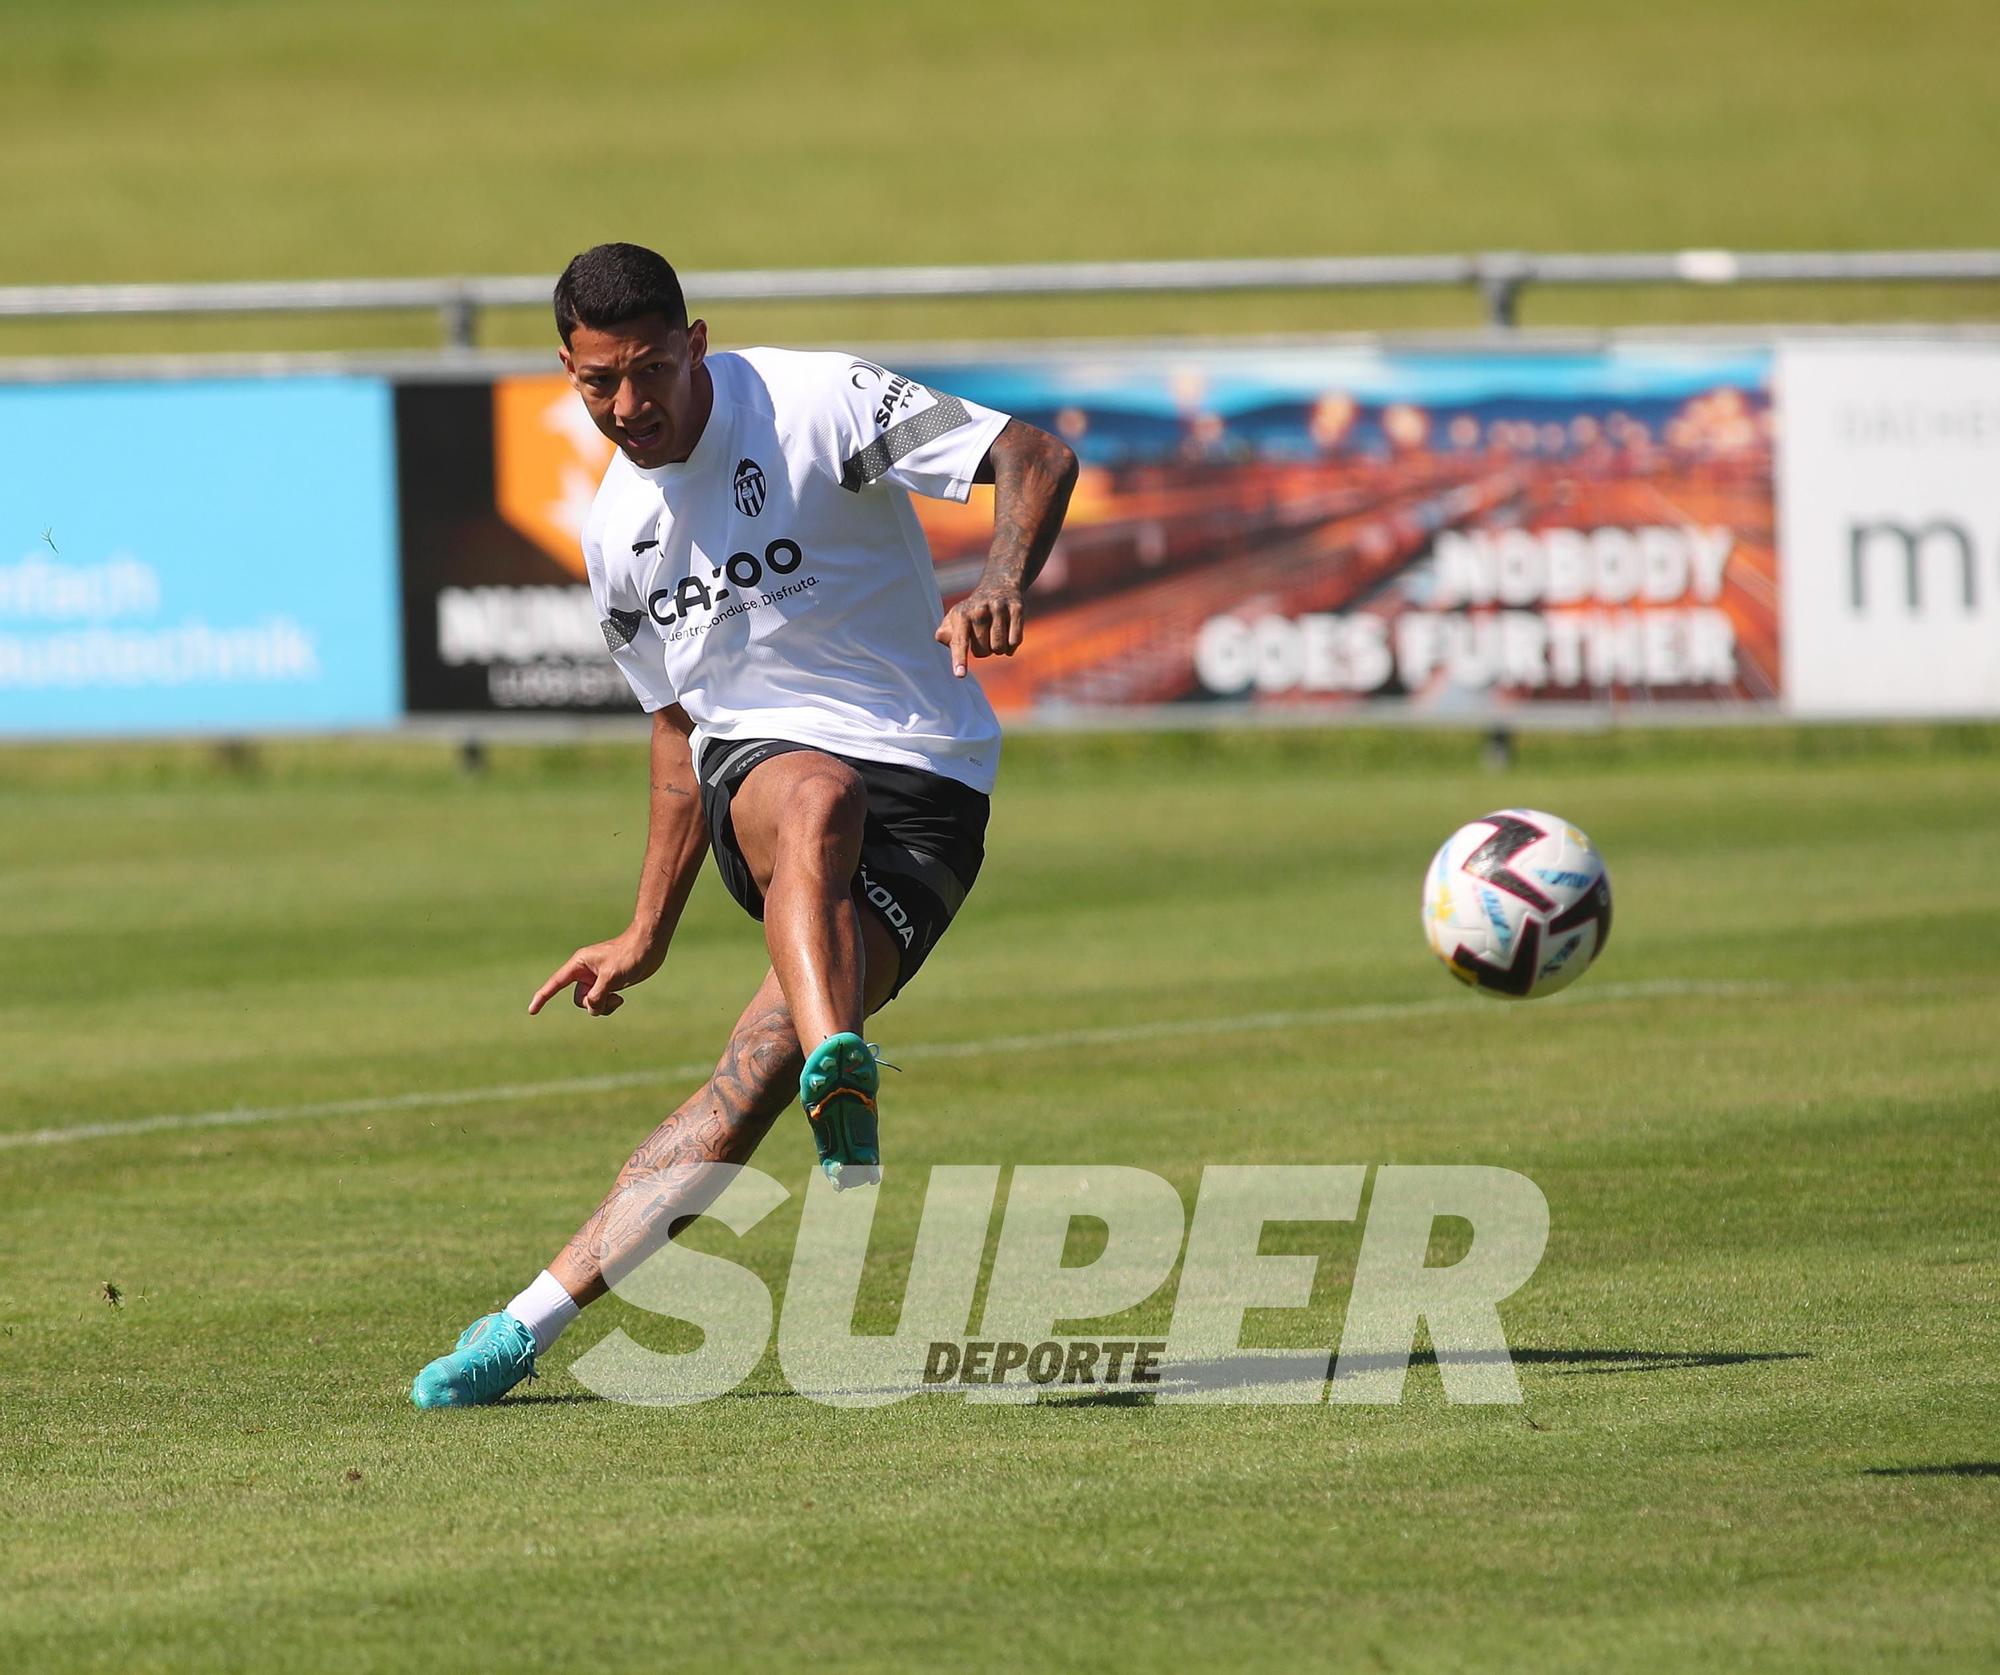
829	803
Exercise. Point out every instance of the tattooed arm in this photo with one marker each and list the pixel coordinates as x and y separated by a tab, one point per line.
676	840
1032	474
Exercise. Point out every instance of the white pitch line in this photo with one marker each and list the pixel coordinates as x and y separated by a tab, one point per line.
1105	1036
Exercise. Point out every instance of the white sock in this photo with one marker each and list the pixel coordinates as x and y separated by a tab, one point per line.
545	1308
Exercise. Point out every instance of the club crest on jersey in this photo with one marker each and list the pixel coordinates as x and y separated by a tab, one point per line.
749	487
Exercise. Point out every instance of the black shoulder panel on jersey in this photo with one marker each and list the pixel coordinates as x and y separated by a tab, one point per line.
945	414
620	627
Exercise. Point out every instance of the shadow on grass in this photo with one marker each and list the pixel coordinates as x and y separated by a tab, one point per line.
1962	1468
1249	1369
1100	1398
1252	1368
1629	1360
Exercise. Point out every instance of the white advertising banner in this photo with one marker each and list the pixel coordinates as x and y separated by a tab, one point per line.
1889	519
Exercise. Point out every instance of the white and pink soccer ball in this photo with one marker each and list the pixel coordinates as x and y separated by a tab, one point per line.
1517	904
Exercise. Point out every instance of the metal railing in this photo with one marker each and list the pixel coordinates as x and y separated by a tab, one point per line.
1499	276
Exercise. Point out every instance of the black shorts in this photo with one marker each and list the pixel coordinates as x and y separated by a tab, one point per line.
921	845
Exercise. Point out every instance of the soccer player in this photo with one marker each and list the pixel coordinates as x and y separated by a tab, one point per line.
766	588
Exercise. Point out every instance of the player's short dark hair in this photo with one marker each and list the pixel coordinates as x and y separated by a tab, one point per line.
612	283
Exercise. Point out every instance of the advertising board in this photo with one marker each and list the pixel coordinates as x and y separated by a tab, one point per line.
1462	533
1320	527
210	556
1889	484
496	478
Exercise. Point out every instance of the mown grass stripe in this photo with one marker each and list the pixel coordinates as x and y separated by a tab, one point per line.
1102	1036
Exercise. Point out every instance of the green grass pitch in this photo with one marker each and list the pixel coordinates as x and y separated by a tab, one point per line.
231	139
1759	1427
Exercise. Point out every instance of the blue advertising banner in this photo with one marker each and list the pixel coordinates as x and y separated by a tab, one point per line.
198	557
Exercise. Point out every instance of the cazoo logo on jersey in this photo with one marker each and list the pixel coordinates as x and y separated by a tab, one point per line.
694	604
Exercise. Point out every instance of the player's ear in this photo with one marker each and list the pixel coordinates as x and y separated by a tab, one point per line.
697	343
568	365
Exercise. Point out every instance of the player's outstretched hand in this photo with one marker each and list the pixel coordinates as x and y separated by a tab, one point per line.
596	974
987	622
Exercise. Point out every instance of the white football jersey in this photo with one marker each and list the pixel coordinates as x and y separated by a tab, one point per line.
776	583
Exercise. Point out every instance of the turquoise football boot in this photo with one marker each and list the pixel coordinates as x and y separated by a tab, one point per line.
493	1355
837	1088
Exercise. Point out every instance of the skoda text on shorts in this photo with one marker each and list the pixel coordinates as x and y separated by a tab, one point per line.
765	588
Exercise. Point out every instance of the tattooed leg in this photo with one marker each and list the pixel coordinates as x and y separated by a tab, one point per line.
670	1178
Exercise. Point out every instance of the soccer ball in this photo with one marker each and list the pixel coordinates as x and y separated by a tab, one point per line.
1517	904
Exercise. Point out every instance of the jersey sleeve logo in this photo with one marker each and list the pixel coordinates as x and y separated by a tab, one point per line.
619	627
749	487
943	416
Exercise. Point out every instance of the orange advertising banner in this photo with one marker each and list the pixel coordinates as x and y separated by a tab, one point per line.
1333	528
